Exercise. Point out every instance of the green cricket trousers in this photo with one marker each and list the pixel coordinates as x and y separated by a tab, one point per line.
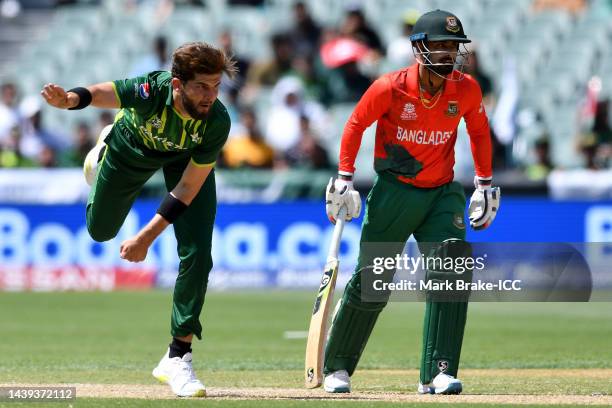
394	211
124	169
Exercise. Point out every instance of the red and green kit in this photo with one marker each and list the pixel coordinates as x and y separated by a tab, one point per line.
413	194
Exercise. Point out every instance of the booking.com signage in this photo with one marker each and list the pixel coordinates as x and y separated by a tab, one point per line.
254	245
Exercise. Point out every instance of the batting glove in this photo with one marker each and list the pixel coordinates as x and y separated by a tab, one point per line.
340	192
484	204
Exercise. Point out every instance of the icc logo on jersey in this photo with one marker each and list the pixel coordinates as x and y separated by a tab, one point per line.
409	112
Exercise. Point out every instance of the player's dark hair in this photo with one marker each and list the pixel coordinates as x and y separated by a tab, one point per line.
201	58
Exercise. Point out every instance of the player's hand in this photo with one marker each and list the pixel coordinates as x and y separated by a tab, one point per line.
57	97
484	204
340	192
134	249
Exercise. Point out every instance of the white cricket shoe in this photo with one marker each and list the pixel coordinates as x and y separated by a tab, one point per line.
90	166
425	389
178	373
338	381
442	384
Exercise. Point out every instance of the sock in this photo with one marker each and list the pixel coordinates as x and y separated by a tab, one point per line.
179	348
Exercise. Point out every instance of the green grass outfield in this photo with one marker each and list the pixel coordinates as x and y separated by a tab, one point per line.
117	338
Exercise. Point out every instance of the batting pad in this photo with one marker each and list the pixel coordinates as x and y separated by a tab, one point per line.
351	328
444	321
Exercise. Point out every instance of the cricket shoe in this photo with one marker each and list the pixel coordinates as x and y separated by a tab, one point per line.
442	384
338	381
178	373
94	157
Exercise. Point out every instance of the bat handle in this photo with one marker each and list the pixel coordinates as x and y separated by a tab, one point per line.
334	247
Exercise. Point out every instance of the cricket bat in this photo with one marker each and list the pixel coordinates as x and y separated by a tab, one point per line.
317	333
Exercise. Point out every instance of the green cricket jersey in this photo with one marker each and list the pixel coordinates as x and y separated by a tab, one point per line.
148	117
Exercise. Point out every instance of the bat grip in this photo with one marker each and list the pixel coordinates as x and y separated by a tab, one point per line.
334	247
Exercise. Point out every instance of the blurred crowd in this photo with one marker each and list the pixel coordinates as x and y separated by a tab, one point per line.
26	142
280	106
311	68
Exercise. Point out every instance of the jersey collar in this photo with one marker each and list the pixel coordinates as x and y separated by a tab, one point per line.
169	98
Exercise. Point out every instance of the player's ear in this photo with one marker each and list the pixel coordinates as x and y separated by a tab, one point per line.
176	84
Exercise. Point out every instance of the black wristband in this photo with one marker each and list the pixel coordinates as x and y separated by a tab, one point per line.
84	97
171	208
345	177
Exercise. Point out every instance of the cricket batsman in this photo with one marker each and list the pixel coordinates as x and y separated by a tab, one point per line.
171	121
418	110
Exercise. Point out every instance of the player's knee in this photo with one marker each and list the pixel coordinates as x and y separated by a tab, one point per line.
101	236
99	228
450	257
362	293
195	259
101	233
447	263
202	256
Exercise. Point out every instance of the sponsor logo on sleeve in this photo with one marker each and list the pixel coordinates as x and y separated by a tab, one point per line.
143	90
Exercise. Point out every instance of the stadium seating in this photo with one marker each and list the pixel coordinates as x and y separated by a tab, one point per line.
556	53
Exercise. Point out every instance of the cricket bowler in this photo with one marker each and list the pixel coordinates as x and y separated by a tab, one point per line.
418	110
171	121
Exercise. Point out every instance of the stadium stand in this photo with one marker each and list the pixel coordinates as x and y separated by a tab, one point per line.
555	50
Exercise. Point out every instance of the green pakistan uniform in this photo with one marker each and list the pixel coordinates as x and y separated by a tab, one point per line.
148	135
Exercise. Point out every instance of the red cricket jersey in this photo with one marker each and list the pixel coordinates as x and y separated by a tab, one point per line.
414	143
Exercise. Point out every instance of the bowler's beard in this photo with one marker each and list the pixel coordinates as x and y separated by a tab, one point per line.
191	108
